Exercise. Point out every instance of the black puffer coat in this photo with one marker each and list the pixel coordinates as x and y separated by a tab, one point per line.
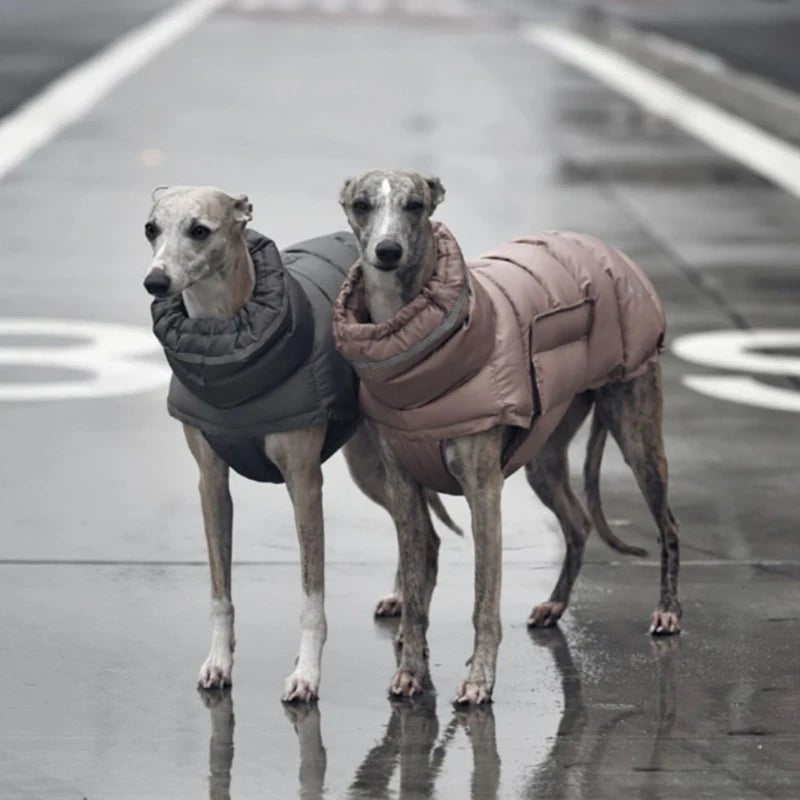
273	366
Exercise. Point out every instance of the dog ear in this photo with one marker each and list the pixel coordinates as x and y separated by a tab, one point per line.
344	192
242	210
156	193
437	191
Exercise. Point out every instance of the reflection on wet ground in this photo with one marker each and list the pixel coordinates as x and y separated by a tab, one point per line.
413	745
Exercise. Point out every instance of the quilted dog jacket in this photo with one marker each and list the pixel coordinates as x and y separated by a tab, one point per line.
507	340
273	366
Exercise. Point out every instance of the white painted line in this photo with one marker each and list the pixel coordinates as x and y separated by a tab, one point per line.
769	156
73	94
740	350
101	359
741	389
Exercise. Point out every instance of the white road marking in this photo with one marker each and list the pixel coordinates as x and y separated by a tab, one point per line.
771	157
748	391
76	92
450	9
737	350
106	351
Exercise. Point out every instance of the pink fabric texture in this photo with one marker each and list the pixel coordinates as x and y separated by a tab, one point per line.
507	340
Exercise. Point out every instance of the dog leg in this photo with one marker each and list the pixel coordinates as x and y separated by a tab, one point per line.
475	463
220	746
297	456
418	546
368	473
217	508
313	757
632	411
548	476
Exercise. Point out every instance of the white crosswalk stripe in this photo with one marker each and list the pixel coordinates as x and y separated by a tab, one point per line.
454	9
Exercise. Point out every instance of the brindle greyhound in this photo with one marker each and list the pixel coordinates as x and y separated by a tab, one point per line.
389	212
199	251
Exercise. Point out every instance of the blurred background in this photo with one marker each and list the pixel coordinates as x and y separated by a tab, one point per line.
668	129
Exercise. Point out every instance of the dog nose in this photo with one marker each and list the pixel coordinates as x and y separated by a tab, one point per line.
157	282
389	251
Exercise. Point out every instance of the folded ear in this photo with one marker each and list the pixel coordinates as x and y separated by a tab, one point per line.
344	192
242	210
437	191
156	193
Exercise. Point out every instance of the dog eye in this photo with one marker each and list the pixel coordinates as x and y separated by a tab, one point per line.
150	231
199	232
415	205
361	206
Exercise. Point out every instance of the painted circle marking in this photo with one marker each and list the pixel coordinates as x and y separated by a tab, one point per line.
738	351
109	352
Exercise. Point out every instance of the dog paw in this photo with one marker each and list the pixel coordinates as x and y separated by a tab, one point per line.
216	671
406	683
302	686
473	693
545	615
664	623
389	606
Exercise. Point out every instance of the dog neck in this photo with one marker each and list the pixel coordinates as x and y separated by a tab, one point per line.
387	292
222	294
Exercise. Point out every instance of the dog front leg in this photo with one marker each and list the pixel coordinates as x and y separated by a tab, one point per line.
297	455
475	463
418	565
217	506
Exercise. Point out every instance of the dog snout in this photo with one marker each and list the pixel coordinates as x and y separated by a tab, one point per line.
157	282
389	252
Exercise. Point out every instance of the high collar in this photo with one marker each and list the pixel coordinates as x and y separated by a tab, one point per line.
440	316
225	361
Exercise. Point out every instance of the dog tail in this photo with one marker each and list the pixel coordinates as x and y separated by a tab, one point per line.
591	483
437	506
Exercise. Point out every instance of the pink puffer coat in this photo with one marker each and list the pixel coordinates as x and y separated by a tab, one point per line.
507	340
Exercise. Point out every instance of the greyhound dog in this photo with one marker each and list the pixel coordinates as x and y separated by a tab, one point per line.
389	212
200	252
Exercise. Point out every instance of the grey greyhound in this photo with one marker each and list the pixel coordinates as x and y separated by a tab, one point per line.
200	253
389	212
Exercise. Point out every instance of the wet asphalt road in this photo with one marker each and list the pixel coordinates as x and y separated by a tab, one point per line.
103	583
757	36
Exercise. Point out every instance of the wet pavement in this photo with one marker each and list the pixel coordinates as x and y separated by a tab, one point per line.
103	582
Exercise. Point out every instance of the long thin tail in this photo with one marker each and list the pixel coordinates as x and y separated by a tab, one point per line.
591	482
437	506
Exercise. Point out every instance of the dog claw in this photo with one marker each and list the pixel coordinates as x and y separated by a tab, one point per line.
545	615
301	687
473	693
664	623
215	674
405	684
389	606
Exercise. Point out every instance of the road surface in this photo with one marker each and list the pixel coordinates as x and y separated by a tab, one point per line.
103	580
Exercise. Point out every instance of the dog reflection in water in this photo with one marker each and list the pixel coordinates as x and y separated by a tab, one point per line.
220	747
412	744
413	748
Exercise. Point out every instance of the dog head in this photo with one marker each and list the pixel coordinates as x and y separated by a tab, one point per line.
389	212
192	230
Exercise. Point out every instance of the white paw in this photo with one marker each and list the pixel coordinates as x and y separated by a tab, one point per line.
217	669
389	606
302	686
473	693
